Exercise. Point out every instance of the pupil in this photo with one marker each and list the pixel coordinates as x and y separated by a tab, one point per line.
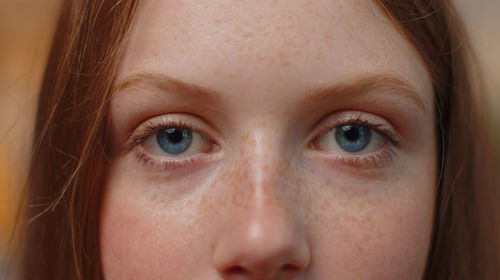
174	135
353	138
352	133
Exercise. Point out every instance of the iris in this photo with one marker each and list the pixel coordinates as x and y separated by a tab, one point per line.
174	140
352	138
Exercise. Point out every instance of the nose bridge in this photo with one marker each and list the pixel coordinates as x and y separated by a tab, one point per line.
263	239
265	208
262	181
263	168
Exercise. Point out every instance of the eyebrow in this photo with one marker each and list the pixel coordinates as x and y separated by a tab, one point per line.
168	84
385	83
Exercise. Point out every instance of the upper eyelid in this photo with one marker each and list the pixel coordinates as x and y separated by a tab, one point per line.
326	123
154	124
379	128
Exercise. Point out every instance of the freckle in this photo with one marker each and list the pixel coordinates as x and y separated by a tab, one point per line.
326	203
154	198
223	202
248	35
145	235
327	182
245	174
154	178
362	207
323	207
316	193
252	143
360	249
318	216
366	237
265	167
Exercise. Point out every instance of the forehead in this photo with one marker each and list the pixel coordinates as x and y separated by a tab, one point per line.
228	45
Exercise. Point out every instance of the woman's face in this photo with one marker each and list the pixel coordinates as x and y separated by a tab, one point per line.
269	140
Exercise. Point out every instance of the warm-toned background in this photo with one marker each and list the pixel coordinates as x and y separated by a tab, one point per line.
26	27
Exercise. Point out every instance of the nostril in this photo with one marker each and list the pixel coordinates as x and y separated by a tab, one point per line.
237	270
291	268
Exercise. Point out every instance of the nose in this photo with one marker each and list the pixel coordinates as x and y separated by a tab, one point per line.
262	239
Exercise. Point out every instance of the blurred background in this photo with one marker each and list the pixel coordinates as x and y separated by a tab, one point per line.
26	29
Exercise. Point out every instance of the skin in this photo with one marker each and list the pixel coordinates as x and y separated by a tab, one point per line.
262	200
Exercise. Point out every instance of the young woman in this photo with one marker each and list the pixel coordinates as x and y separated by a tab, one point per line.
260	140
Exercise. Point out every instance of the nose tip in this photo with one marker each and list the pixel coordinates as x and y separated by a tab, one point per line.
271	255
263	246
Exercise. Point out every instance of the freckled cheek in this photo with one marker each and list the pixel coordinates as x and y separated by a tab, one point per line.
149	238
373	236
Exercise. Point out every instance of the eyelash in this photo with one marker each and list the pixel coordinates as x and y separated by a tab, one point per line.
377	159
155	126
381	129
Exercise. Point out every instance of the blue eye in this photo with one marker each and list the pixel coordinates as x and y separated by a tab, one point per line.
177	141
352	138
174	140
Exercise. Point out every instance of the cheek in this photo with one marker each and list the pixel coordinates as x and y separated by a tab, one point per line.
380	242
382	230
143	235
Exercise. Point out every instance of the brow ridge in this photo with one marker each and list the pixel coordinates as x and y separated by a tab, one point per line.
384	83
168	84
380	82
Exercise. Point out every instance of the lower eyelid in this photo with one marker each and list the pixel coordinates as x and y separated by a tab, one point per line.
156	164
376	160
